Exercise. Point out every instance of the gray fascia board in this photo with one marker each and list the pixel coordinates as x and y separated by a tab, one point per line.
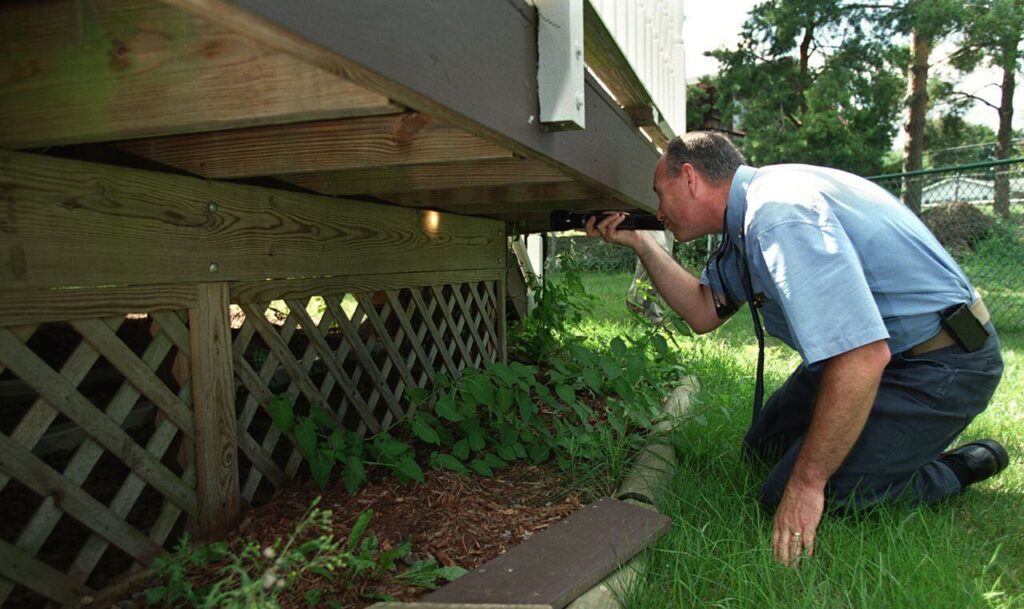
475	59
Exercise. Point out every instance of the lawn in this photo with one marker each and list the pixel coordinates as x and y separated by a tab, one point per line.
968	552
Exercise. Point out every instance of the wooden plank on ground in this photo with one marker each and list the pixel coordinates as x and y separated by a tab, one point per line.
558	564
398	139
470	63
213	402
106	70
76	224
409	178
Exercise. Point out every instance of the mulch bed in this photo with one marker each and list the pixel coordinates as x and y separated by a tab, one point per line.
456	519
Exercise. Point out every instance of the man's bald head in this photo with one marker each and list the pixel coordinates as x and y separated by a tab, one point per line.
711	154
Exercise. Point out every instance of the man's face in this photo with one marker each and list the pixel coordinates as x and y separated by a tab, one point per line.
676	206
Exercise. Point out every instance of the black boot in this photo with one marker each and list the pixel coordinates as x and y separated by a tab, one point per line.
976	461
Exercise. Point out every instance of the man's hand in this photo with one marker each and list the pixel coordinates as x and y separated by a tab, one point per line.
796	521
607	229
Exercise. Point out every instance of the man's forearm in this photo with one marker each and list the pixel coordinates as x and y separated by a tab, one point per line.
848	387
680	289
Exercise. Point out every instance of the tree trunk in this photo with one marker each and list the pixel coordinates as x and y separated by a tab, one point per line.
1004	137
805	54
916	105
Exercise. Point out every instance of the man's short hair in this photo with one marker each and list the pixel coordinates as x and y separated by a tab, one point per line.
711	154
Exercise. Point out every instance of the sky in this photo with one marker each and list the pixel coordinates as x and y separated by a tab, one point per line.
711	24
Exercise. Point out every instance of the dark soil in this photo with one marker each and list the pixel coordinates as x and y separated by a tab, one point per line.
455	519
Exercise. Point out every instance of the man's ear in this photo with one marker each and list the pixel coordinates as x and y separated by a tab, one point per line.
690	179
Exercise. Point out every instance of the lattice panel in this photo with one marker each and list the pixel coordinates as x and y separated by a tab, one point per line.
96	435
354	354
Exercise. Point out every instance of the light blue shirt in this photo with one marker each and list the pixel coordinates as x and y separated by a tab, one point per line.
838	261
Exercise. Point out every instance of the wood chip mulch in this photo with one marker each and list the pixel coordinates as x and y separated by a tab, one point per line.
463	520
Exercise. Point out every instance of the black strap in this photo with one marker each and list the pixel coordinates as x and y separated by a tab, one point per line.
752	302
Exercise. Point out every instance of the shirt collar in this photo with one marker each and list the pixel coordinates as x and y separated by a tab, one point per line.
736	208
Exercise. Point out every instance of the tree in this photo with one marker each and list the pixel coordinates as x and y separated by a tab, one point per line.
954	141
992	36
813	81
927	21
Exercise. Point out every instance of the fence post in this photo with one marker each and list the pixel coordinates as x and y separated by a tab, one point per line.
213	404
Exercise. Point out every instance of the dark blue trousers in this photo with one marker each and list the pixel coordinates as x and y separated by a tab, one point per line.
923	403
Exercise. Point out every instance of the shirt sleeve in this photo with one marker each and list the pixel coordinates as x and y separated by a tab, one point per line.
821	288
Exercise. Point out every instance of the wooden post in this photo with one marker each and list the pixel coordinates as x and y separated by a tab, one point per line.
213	403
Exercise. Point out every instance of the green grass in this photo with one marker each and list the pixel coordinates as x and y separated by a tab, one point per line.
968	552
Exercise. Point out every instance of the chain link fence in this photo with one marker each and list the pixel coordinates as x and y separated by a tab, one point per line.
977	212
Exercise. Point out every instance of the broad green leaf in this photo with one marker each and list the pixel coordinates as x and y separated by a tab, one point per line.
305	437
448	462
354	475
424	431
593	380
481	388
416	395
660	345
503	372
505	398
566	393
320	466
618	346
519	449
323	418
611	369
282	412
635	367
358	529
527	407
481	468
495	461
461	449
476	439
446	408
409	468
507	452
451	573
539	453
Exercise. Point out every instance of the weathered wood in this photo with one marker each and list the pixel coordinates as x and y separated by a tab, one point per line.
488	314
117	69
23	568
491	197
135	371
19	306
408	178
263	291
455	329
473	319
384	336
471	63
34	534
558	564
213	404
447	349
38	476
41	414
414	338
502	321
62	395
71	223
399	139
277	346
328	358
363	356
